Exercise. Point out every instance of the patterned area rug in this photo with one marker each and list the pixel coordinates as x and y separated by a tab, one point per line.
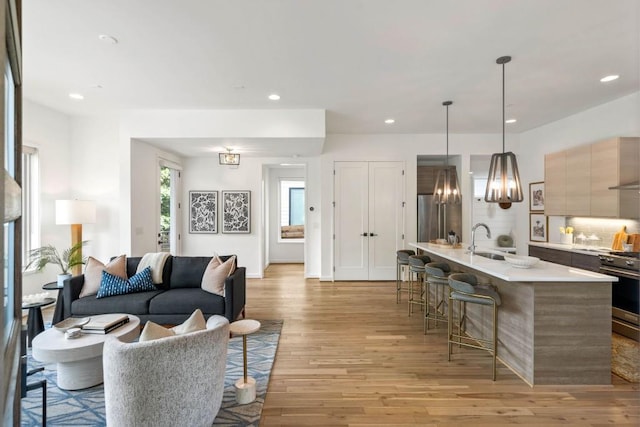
86	407
625	358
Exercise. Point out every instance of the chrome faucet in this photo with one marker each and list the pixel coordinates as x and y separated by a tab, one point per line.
472	248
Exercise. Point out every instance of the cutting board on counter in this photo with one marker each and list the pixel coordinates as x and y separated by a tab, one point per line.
634	239
619	238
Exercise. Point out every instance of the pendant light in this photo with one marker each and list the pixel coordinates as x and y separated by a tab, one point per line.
503	183
447	189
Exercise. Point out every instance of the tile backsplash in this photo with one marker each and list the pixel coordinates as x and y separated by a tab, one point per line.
603	228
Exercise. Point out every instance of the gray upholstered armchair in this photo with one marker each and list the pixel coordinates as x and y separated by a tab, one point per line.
171	381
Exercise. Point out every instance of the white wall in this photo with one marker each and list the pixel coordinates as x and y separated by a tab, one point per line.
145	192
94	176
287	251
50	132
616	118
91	158
404	148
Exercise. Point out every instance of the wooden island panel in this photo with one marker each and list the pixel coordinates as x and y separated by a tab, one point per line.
549	333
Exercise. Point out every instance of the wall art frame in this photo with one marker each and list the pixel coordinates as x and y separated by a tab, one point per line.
236	211
203	212
536	196
538	227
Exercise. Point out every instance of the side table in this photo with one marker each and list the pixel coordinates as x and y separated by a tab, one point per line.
35	324
58	316
246	386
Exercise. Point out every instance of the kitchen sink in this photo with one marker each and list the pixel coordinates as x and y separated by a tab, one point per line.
490	255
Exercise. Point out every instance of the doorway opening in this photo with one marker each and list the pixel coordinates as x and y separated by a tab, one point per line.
285	215
170	208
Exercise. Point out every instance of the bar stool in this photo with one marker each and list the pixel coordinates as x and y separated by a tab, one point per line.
416	269
402	260
437	277
464	289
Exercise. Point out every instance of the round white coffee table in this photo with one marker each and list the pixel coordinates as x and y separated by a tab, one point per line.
245	386
79	360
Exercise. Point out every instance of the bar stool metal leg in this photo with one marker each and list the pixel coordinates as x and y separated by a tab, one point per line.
465	291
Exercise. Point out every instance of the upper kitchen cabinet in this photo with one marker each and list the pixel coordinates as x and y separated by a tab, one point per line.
615	162
577	180
555	179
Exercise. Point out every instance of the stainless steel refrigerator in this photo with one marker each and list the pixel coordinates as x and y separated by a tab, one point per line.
435	222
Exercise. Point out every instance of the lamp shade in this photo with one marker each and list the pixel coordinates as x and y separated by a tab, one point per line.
447	189
12	198
75	212
503	183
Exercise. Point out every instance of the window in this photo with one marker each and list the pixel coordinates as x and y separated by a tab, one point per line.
479	187
291	210
30	202
9	227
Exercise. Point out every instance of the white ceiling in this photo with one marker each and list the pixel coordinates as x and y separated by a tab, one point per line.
361	60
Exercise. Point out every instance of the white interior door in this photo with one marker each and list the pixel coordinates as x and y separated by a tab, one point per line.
385	218
368	219
351	205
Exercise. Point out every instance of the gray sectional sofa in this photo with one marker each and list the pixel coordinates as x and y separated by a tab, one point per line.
173	302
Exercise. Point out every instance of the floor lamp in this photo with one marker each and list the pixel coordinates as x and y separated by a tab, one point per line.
75	213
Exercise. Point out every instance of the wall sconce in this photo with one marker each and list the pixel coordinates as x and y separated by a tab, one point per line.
229	158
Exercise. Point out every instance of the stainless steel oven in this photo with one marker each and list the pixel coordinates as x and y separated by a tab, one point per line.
625	293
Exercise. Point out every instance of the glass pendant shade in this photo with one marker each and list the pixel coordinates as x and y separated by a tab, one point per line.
503	183
447	189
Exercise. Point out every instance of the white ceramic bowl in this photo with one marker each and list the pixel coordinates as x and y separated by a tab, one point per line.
520	261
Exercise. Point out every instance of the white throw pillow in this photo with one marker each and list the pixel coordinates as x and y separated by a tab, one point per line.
153	331
216	273
93	273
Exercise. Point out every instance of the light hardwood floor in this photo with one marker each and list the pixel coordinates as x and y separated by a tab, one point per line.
350	356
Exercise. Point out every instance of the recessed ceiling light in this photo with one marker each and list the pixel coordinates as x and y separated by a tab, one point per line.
510	121
609	78
107	39
274	97
390	121
78	96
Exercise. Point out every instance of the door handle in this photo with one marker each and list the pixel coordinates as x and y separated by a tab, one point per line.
364	234
372	234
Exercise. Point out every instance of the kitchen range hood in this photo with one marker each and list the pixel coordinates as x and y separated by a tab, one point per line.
629	186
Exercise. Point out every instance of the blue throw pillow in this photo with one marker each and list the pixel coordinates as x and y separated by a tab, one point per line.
111	285
142	281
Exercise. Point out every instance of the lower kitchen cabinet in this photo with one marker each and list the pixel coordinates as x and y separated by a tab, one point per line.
568	258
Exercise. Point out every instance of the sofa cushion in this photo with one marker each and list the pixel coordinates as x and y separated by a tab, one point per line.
186	301
187	271
216	273
153	331
132	266
137	303
93	273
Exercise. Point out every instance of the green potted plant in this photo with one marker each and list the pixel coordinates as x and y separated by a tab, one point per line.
48	254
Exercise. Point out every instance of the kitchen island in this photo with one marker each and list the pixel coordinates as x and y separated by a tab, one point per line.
554	324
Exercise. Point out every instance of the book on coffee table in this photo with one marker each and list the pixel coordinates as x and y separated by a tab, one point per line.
105	323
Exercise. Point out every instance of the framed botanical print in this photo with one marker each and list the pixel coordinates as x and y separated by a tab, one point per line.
538	227
236	211
203	212
536	196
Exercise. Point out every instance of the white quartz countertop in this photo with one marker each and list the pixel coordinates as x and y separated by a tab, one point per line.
541	272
